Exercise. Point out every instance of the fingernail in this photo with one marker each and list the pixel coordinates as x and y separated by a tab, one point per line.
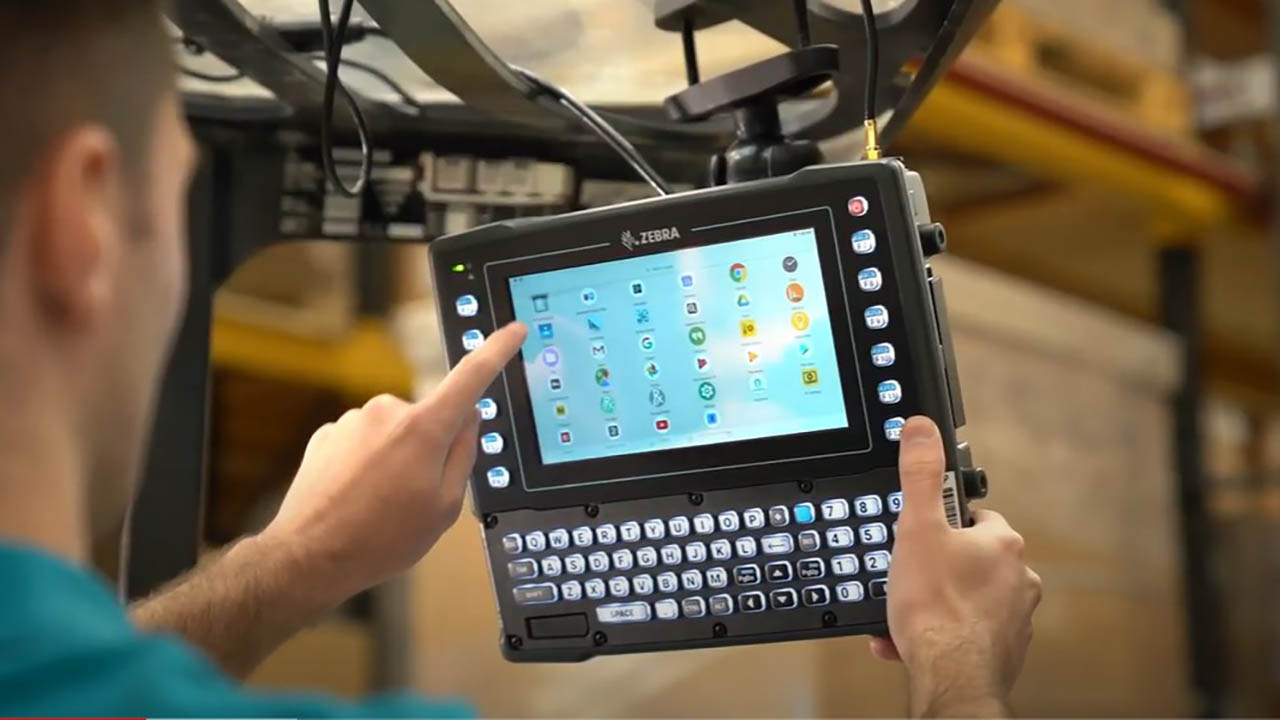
919	430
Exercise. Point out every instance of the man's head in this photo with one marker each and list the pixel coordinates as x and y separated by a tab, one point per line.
95	160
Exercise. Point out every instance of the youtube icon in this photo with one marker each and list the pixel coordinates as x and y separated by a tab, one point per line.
662	425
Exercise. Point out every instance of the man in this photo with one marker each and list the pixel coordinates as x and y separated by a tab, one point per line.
94	162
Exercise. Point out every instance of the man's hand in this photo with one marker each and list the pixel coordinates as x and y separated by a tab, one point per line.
960	601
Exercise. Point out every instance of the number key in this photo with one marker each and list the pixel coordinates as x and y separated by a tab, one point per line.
867	506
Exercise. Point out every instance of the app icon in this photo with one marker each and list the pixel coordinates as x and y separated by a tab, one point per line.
499	477
589	296
607	404
643	317
753	357
757	383
691	307
747	327
540	303
707	391
744	300
637	288
613	431
686	281
864	242
602	377
467	306
809	376
472	339
554	383
697	335
561	410
702	362
893	429
800	320
795	292
594	325
738	272
651	370
858	206
882	355
790	264
491	443
566	437
805	349
890	392
711	418
657	398
877	317
661	424
545	331
550	357
488	408
647	342
598	350
869	280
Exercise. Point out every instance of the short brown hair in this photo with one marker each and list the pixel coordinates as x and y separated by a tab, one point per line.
67	62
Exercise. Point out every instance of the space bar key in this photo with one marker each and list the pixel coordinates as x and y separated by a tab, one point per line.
623	612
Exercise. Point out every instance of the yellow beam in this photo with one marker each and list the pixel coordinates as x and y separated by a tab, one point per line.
363	363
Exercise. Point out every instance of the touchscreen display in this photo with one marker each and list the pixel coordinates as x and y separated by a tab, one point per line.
699	346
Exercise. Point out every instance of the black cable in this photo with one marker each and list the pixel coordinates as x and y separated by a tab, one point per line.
690	50
333	39
802	22
873	57
600	126
382	77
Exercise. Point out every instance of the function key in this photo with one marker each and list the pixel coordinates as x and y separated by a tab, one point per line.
811	568
575	564
893	429
809	541
849	592
864	242
728	521
876	317
535	541
883	355
858	206
666	609
873	534
552	566
647	557
466	306
540	594
779	544
492	443
595	589
751	602
629	531
655	529
512	543
777	572
717	577
671	555
498	477
835	509
691	580
616	613
668	582
746	547
895	502
877	561
598	562
642	584
704	524
840	537
571	591
816	596
678	526
623	559
488	408
559	539
606	534
522	569
619	586
693	607
889	392
695	552
879	589
870	280
746	575
720	604
753	519
867	505
804	513
778	516
582	536
844	565
471	340
721	549
783	599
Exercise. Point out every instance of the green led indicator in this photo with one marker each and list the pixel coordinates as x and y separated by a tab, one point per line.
459	268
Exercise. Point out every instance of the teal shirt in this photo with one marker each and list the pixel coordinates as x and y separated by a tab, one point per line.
67	648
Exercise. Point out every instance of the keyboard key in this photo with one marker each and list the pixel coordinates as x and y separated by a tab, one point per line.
540	594
695	552
751	602
720	604
623	559
647	557
849	591
535	541
671	554
811	568
746	547
779	516
721	549
729	521
835	510
583	537
552	566
575	564
678	526
809	540
873	534
895	502
606	534
746	575
879	589
594	588
522	569
598	562
619	586
623	612
867	505
877	561
512	544
691	580
666	609
558	538
717	577
704	524
642	584
777	572
655	529
816	596
803	513
668	582
840	537
693	607
571	591
844	565
629	531
779	544
783	599
753	519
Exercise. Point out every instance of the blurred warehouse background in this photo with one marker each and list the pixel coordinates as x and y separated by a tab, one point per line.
1106	170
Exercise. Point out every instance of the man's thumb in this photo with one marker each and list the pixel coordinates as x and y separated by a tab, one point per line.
920	468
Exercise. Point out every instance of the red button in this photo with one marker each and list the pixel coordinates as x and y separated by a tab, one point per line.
662	424
858	206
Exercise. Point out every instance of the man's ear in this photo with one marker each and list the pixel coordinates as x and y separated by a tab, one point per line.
77	225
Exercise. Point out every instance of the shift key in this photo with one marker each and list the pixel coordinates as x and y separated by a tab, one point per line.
535	594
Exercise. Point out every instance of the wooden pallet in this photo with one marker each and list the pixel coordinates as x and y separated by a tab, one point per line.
1065	59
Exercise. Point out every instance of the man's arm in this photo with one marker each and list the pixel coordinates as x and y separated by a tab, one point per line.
374	493
960	601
